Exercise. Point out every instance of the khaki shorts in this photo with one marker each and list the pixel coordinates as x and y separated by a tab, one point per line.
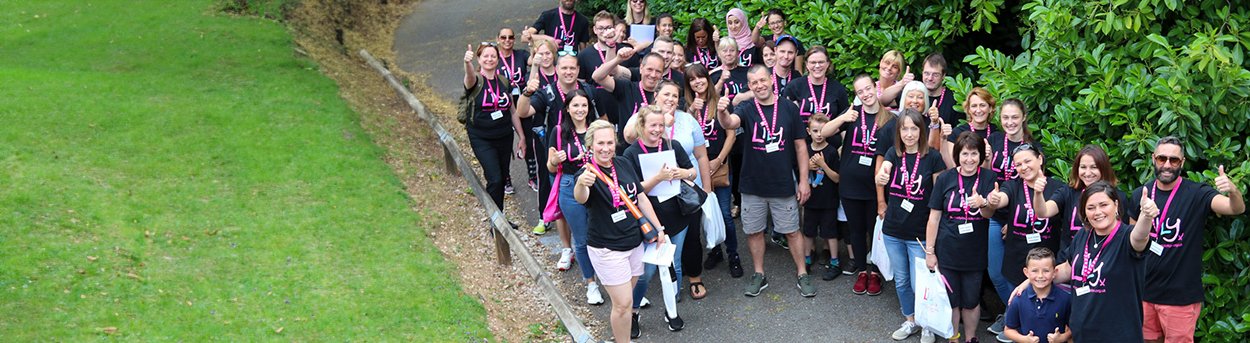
755	211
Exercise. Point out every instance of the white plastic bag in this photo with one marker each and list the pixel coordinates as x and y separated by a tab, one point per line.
878	255
933	306
713	222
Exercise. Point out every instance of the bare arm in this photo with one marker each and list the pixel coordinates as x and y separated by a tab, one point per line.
603	74
1231	204
805	188
700	154
470	78
728	121
835	126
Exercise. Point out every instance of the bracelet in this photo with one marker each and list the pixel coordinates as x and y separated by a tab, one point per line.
934	126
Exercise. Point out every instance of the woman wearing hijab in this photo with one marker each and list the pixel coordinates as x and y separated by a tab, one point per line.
748	53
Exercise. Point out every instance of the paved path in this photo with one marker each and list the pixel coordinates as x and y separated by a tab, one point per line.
430	41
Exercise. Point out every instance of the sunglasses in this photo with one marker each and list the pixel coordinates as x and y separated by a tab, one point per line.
1164	160
489	44
563	53
1026	146
508	37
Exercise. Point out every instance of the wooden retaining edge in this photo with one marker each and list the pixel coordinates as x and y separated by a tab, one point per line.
505	236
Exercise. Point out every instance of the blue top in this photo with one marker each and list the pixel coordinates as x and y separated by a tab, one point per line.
1028	313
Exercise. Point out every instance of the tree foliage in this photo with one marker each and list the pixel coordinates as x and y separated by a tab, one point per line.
1118	73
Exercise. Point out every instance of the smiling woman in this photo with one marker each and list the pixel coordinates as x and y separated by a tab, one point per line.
181	199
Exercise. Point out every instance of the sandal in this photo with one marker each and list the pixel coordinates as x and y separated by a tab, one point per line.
697	286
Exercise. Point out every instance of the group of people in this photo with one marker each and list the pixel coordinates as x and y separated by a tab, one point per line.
756	120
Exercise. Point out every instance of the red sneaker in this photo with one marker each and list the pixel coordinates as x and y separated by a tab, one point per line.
861	283
874	284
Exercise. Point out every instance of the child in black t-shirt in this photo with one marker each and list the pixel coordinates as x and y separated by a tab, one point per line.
820	213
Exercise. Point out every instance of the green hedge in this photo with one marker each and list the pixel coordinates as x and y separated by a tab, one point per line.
1115	73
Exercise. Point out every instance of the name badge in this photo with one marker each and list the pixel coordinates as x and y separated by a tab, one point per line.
618	216
907	205
965	228
772	147
865	160
1083	290
1033	238
1156	248
496	115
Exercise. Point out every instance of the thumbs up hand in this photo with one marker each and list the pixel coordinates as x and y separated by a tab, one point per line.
997	197
1031	338
1223	183
883	173
1039	184
1148	206
933	115
468	54
1053	336
908	76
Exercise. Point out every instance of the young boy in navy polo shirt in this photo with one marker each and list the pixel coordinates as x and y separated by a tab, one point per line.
1041	312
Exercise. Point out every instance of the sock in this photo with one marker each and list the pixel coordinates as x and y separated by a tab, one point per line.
833	262
807	259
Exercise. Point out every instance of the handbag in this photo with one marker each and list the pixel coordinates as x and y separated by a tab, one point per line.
713	222
691	197
551	210
721	177
933	306
878	255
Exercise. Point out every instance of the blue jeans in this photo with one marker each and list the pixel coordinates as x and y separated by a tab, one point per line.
902	258
649	270
575	216
724	197
995	269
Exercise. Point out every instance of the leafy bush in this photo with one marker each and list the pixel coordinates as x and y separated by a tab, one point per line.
1117	73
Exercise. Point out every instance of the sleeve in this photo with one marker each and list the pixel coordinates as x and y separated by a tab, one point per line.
843	99
583	30
939	191
634	74
621	92
679	152
1065	255
696	131
1206	194
1012	317
890	155
1133	203
539	102
796	120
885	137
955	134
1060	196
541	23
792	91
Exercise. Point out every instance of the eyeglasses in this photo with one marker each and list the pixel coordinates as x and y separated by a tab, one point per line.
563	53
1026	146
508	37
1165	160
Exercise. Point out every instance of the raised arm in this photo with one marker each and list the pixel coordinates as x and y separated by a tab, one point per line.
1145	221
1231	204
835	126
728	121
470	79
1042	207
603	74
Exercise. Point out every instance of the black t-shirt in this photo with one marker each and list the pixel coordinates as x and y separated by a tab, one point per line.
965	127
750	57
516	67
573	148
859	149
1000	154
1175	278
830	98
966	251
1022	223
768	156
713	132
629	96
1111	311
569	30
548	103
705	56
590	59
824	193
494	116
736	83
604	233
907	193
945	103
1067	199
668	212
780	81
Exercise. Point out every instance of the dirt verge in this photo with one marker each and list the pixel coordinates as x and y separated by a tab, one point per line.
330	32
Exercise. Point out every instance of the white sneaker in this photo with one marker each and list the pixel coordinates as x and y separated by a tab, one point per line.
926	336
644	303
906	330
592	294
566	259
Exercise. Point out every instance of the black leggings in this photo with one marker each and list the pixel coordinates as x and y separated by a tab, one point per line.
533	144
692	248
860	217
493	154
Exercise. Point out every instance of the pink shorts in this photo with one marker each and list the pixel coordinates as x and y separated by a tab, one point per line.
616	267
1171	323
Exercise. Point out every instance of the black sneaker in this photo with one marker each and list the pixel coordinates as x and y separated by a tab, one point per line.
735	267
780	239
713	259
674	324
852	270
635	329
832	271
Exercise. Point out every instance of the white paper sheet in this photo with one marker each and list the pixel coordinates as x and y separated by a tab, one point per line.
642	33
659	254
651	164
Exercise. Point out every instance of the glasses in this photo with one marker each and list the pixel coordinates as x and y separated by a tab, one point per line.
1025	146
508	37
604	28
1165	160
489	44
931	74
563	53
638	1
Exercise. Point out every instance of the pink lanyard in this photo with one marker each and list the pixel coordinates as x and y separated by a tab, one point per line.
771	128
644	147
507	66
940	97
863	127
1088	265
777	85
914	169
960	177
616	196
819	103
491	90
546	79
563	101
988	126
1028	203
643	95
1166	205
564	27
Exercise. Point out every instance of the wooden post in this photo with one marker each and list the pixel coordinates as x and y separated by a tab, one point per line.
451	162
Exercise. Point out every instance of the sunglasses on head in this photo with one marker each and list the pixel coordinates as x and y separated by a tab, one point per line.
1026	146
566	53
489	44
1160	159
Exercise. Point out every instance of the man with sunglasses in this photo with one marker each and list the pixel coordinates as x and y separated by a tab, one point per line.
1173	293
562	24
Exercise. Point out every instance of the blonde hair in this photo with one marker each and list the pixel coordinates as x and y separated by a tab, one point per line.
894	57
646	14
595	126
641	124
984	95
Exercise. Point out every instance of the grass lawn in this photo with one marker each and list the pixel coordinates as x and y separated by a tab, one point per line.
167	173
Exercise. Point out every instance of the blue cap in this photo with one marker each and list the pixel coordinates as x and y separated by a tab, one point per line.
797	45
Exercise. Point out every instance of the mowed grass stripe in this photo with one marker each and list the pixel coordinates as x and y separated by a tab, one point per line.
181	175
